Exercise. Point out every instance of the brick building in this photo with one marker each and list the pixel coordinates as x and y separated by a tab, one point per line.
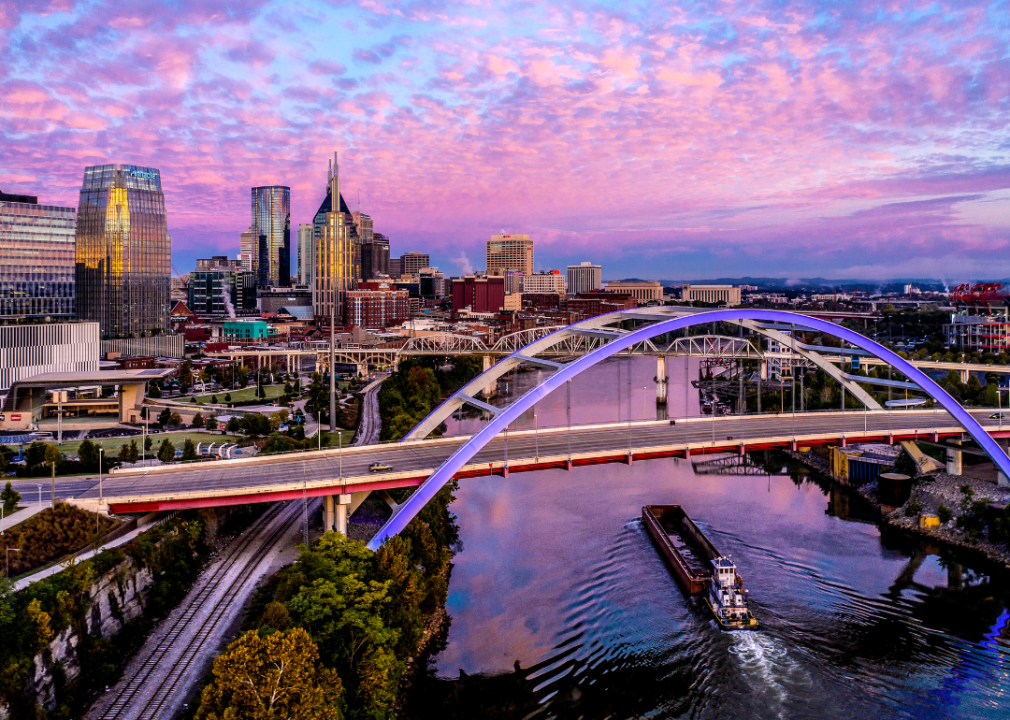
376	304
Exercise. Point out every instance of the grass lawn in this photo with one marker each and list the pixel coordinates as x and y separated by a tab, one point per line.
112	445
244	395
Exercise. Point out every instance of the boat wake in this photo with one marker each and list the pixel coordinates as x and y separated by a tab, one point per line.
771	671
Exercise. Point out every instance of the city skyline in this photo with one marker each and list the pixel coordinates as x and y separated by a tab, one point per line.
773	140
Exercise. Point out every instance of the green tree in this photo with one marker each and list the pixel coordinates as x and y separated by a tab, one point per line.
234	424
154	391
277	677
10	498
129	453
198	421
87	453
164	417
211	423
35	454
175	419
189	450
166	451
148	442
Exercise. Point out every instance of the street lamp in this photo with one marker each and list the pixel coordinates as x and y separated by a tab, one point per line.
8	554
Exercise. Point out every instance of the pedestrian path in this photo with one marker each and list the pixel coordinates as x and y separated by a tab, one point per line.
33	508
24	582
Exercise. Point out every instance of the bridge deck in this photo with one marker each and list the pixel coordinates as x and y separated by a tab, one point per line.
268	478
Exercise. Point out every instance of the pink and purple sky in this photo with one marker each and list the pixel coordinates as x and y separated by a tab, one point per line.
667	141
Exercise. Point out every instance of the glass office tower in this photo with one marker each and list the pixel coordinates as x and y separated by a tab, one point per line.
124	251
271	225
36	260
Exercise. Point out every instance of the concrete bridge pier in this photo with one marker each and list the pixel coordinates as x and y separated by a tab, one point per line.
335	513
1001	479
490	390
964	376
661	380
954	457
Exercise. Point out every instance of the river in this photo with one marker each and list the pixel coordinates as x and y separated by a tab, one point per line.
561	607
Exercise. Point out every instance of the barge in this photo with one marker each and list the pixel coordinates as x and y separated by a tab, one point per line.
698	566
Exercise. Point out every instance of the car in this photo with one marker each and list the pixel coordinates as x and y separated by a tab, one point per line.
379	467
998	416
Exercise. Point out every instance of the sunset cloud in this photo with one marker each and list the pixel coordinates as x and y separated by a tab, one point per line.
667	141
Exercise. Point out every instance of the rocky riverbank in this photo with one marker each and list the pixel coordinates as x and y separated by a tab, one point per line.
929	496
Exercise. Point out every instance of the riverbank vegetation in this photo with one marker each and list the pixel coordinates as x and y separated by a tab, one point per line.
412	392
349	620
173	553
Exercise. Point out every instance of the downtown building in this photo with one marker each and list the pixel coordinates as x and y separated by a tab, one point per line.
36	260
375	305
306	255
271	235
584	278
220	287
509	252
123	252
37	293
337	253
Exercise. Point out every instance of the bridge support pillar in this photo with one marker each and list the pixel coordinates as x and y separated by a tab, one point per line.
342	501
362	370
954	457
568	464
1001	479
964	376
329	514
490	390
661	380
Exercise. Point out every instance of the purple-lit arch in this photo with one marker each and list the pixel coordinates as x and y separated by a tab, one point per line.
438	479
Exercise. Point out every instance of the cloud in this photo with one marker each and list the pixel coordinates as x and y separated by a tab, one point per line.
662	141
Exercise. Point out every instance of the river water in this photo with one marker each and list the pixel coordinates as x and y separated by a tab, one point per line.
561	607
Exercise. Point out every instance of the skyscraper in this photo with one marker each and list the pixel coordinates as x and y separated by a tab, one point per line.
36	260
248	247
338	255
271	227
306	254
509	252
584	278
375	257
124	251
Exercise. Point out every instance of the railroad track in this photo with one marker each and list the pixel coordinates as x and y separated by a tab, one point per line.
195	625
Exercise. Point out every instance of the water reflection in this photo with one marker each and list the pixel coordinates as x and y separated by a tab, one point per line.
559	579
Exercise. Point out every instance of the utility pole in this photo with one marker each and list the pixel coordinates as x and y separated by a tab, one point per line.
335	234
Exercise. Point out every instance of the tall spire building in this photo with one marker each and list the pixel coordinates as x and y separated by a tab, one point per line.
337	250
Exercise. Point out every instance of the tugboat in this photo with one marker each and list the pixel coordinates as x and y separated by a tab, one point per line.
725	597
700	568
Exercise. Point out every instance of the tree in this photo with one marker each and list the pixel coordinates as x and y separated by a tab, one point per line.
243	376
10	497
175	419
234	424
164	417
189	450
129	453
227	397
211	423
198	421
35	454
277	677
87	453
166	451
148	442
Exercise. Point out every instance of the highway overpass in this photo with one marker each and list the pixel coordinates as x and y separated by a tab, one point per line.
345	472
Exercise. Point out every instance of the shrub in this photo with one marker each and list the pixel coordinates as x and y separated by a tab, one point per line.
944	513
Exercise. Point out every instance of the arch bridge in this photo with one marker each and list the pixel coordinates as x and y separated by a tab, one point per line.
650	330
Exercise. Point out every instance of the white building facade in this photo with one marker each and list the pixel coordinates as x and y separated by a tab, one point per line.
27	350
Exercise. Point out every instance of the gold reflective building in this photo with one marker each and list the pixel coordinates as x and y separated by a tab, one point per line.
123	251
337	251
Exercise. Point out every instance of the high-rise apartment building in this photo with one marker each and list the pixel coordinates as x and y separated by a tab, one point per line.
36	260
271	228
509	252
543	282
412	262
249	251
123	251
338	255
584	278
221	290
375	257
363	224
306	254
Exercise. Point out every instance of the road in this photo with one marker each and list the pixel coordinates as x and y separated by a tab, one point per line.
176	655
371	424
314	467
